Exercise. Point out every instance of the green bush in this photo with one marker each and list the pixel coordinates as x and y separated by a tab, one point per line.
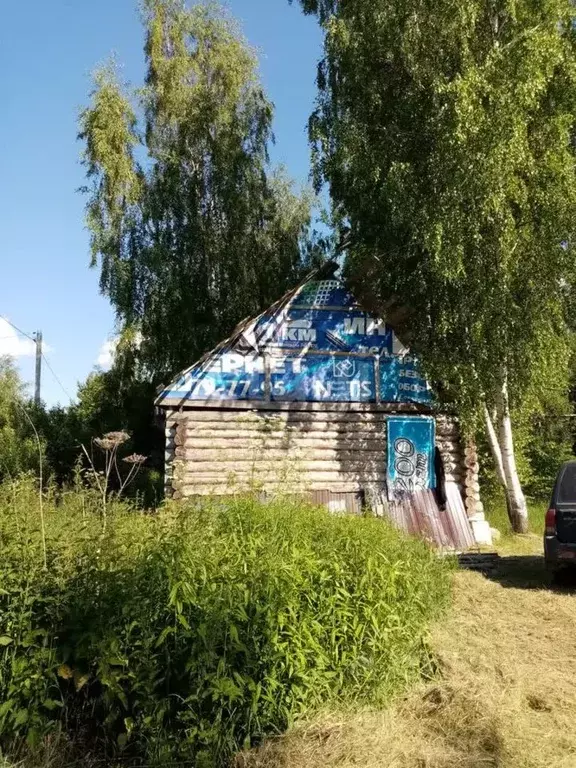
195	632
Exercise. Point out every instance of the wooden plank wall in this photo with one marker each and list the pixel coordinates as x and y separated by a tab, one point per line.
225	451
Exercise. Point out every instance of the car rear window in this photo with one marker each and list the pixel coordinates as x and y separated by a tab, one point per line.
567	488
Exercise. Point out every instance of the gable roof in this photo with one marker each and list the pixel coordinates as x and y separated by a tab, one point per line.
315	344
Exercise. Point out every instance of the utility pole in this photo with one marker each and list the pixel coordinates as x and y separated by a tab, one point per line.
38	339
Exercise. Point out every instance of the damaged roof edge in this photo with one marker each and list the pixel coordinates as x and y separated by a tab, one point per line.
326	271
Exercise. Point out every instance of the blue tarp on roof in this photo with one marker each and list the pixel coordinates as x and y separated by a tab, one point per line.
318	346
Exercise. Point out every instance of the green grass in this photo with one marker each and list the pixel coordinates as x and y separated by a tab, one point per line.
511	543
193	633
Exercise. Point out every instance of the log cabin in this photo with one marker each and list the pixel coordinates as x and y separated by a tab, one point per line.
317	396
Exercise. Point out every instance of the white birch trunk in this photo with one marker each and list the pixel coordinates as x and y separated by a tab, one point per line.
517	510
495	449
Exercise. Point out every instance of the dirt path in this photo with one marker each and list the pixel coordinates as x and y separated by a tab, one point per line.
506	696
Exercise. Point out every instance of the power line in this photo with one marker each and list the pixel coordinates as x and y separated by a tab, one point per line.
22	333
5	338
62	387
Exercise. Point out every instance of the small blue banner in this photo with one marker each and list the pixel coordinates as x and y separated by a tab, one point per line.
410	465
401	381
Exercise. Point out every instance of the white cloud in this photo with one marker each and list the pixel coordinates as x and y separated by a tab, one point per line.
108	349
14	345
107	352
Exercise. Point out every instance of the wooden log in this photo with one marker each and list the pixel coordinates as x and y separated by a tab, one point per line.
452	461
276	454
319	434
449	444
172	404
292	442
248	466
281	426
240	449
224	478
209	428
279	444
453	456
448	434
444	426
446	418
292	417
452	467
471	451
209	490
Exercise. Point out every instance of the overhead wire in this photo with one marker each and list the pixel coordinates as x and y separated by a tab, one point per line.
28	336
62	387
21	332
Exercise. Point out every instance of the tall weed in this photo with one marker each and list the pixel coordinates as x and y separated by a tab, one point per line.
193	633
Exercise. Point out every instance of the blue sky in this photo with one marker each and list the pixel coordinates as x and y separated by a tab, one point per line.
47	52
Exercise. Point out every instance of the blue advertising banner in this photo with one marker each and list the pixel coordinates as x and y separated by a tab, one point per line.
324	293
321	347
320	378
401	381
410	466
228	376
326	330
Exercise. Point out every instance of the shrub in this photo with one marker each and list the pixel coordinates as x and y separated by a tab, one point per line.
192	634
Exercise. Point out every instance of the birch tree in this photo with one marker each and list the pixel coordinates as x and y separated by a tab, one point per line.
191	227
445	131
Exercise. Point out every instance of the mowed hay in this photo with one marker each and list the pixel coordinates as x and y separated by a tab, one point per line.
504	697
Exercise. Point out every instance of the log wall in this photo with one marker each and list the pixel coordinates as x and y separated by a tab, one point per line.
337	456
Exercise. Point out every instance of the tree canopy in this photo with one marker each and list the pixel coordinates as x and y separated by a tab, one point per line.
18	447
192	228
446	134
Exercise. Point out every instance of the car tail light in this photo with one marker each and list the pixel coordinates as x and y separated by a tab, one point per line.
550	523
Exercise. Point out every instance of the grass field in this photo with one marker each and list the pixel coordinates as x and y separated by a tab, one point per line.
501	690
504	695
530	543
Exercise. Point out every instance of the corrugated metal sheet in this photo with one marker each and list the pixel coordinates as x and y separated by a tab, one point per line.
418	514
457	518
350	502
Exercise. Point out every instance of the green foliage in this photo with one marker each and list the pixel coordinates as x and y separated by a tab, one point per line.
18	448
543	433
192	634
549	444
445	132
108	401
542	442
497	516
192	228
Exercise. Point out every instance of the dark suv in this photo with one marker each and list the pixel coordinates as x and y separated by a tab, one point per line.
560	525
